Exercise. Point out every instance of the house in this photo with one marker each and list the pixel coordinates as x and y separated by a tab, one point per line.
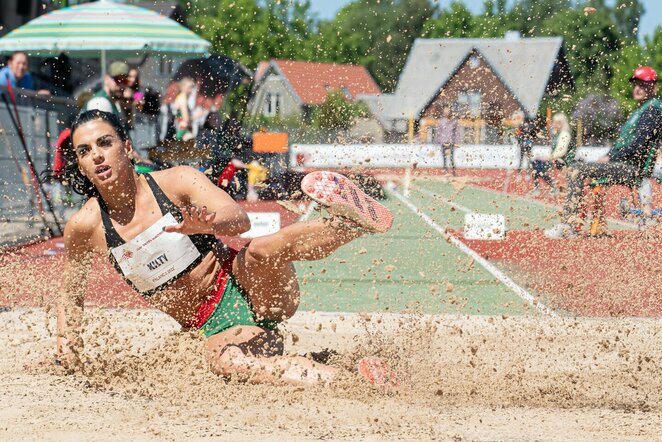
289	88
15	13
483	80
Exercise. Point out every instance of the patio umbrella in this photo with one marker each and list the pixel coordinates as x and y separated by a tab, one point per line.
106	29
215	74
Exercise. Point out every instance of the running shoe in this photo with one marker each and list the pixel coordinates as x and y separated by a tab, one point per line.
377	372
343	198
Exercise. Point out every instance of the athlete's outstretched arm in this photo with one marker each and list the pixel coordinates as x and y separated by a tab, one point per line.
71	297
223	216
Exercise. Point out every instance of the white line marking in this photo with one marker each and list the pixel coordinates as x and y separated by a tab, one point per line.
545	204
498	274
309	211
443	199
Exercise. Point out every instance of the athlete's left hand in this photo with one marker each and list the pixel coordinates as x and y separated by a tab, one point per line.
194	221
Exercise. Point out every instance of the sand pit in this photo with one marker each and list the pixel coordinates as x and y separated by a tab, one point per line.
463	378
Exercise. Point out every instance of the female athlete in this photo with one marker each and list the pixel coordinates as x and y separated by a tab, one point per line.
160	232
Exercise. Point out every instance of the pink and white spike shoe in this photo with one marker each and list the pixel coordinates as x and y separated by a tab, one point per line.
377	372
343	198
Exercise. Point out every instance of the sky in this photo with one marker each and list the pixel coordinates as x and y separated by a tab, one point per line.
326	9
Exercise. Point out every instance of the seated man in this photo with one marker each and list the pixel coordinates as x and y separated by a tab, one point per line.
630	160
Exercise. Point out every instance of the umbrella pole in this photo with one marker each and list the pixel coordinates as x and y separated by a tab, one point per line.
103	64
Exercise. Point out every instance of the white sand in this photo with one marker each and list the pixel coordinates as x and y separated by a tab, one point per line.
473	378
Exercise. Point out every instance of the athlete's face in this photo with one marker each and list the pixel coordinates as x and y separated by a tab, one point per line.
101	154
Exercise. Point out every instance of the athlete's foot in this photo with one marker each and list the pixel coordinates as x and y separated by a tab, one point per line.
377	372
343	198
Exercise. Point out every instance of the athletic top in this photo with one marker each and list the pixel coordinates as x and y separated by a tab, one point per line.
640	137
188	250
101	101
570	150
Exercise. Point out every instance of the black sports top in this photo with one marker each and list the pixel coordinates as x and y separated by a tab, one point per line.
203	242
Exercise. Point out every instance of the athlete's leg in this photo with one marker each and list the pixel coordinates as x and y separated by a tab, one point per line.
252	354
264	268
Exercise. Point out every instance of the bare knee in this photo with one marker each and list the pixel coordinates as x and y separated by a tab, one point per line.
258	251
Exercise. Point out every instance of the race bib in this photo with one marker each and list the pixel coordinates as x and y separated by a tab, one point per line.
155	257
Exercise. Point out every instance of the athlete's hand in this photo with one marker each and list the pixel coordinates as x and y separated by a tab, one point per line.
194	221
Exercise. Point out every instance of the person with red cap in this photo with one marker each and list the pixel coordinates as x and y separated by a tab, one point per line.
630	160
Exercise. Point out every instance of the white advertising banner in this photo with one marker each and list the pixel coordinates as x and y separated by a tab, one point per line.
325	156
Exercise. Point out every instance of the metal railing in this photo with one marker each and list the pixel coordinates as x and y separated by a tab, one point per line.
41	118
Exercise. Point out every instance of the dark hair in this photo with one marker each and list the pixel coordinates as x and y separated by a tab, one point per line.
71	174
137	69
13	54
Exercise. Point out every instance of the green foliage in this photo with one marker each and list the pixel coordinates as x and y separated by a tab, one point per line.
653	47
602	47
337	112
592	43
376	34
628	60
454	22
627	14
250	32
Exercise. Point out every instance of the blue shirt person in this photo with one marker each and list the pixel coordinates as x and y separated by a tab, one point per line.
16	72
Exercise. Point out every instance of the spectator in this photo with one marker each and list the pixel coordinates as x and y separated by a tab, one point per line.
16	73
629	161
563	153
182	111
133	97
447	136
109	97
524	134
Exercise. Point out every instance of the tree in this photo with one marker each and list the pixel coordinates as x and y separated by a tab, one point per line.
592	43
377	34
627	14
250	33
337	112
455	22
654	48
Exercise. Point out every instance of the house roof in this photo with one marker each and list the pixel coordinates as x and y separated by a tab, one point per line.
313	81
523	64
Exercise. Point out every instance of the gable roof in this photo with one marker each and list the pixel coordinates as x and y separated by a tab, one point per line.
311	82
523	64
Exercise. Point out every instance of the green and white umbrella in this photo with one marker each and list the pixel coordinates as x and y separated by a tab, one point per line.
106	29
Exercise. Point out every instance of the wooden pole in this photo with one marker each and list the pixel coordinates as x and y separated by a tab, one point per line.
407	179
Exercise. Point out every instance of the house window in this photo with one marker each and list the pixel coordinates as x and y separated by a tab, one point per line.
468	103
271	104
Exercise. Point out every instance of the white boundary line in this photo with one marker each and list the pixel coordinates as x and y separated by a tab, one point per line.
498	274
544	204
443	199
309	211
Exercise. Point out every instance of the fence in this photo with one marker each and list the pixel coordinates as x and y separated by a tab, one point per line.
42	118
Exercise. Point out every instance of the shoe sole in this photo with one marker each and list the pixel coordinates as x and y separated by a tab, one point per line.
342	197
377	372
